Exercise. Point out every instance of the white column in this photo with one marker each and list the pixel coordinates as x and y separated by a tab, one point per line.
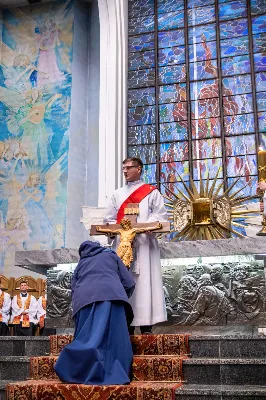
113	16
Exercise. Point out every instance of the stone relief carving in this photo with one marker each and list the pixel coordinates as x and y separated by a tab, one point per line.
228	293
215	294
59	306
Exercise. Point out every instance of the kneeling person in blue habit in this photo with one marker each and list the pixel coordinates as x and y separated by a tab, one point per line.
101	352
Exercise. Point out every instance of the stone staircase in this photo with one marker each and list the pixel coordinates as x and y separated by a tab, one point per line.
15	353
219	367
225	368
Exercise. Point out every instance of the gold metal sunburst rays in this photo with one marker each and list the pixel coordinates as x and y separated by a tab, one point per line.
204	214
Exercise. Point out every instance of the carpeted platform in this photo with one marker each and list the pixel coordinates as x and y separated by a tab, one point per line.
157	372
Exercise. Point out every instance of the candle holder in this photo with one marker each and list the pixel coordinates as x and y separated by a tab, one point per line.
262	178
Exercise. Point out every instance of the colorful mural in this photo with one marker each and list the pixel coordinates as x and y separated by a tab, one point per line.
35	89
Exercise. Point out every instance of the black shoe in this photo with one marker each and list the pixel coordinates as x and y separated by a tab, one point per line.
146	330
131	330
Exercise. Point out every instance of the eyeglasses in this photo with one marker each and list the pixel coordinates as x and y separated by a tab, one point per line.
128	168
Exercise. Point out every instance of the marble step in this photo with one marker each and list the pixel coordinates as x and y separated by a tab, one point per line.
144	368
3	384
233	371
14	368
166	344
220	392
44	390
24	345
227	346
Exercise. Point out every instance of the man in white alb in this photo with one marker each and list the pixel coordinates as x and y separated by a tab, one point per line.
147	300
5	305
24	310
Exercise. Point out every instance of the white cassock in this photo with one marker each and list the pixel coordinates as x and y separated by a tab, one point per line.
32	310
5	310
147	301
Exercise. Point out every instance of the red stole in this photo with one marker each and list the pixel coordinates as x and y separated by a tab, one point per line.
136	197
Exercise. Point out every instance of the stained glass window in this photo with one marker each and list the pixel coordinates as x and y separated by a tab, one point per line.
197	89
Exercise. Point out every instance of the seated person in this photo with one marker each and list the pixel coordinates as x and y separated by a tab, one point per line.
5	305
41	315
24	310
101	352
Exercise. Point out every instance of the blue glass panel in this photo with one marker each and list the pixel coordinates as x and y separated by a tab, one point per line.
235	46
141	25
171	38
208	148
236	65
171	172
263	140
140	7
261	101
165	6
141	42
173	131
174	151
141	134
141	97
201	15
260	62
217	183
261	82
240	145
144	59
250	189
204	89
262	121
259	24
171	55
259	43
145	77
149	173
173	112
240	104
141	116
172	74
241	165
205	128
207	167
199	3
171	20
258	6
205	108
203	70
147	153
195	33
237	85
235	9
172	93
237	124
234	28
202	51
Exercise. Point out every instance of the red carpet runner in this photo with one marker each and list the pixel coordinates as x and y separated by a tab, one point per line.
157	372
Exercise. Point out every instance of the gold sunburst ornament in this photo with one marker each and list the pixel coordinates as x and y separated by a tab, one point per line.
205	214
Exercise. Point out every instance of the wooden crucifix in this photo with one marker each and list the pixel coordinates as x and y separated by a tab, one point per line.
128	229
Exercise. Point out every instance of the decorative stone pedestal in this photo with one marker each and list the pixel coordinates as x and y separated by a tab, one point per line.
94	216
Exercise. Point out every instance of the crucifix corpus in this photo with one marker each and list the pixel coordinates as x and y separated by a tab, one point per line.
127	229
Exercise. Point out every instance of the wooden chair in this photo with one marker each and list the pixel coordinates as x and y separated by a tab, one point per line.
32	283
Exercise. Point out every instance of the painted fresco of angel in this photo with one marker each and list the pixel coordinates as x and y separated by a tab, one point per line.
27	113
44	35
19	67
